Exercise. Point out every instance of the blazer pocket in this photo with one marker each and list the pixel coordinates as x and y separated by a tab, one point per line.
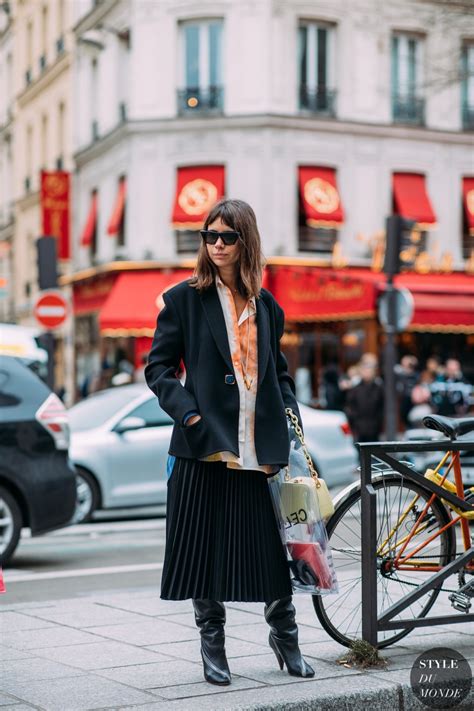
194	435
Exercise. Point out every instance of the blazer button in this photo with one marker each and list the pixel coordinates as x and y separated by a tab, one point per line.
229	379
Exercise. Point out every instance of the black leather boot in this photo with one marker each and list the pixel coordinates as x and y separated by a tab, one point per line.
210	618
283	638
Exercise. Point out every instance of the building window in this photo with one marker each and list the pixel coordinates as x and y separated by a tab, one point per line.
201	74
94	99
44	142
408	105
44	38
29	52
467	86
316	68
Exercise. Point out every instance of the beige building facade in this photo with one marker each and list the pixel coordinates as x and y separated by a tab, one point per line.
42	127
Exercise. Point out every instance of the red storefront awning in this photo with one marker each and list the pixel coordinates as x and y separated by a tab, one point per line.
91	222
444	303
468	194
116	218
319	294
411	199
320	197
198	189
134	302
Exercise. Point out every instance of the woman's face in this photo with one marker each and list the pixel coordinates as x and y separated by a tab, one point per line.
220	254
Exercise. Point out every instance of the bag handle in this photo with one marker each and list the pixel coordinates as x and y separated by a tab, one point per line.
299	433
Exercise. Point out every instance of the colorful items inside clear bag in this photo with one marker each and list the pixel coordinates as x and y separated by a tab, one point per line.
302	527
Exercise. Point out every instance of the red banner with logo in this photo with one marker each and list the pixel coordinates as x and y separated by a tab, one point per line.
55	209
197	191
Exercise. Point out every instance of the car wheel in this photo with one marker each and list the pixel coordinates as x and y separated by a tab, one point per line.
11	522
87	496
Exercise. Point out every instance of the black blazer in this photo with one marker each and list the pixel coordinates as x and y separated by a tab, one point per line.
191	327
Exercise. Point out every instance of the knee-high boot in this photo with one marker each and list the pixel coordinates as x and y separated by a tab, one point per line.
283	637
210	618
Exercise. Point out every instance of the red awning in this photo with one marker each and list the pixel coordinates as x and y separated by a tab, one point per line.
119	207
443	302
320	294
198	189
91	222
411	199
468	193
320	197
134	302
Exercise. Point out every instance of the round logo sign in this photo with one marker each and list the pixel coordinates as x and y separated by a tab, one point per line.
321	195
55	184
441	678
197	196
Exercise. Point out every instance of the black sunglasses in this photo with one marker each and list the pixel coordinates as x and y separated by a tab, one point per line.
211	236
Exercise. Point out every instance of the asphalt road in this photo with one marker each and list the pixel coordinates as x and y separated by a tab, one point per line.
74	561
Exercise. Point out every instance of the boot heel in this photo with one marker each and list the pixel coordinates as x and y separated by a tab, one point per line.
277	653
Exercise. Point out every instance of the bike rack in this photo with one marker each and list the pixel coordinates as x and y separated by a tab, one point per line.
371	623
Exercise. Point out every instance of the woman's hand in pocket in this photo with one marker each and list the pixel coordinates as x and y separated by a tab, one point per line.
192	420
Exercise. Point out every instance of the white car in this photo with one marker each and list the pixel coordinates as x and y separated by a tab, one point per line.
120	439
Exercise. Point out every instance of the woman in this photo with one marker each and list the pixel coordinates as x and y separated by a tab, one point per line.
230	434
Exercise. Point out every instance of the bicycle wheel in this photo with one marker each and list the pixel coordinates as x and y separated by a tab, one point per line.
341	615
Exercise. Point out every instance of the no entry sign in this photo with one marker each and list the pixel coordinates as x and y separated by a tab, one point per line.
51	309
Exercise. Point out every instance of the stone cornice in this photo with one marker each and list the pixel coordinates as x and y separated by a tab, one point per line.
46	78
267	121
93	17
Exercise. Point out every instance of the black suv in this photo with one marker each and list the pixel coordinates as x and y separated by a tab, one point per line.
37	480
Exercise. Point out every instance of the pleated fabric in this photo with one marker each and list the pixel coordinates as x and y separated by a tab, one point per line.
222	540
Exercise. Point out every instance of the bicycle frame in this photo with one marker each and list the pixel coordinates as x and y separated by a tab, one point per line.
371	623
409	561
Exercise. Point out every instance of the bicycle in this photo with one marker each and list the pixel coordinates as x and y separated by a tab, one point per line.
416	537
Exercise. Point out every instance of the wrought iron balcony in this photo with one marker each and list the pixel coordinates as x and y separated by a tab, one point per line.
318	100
408	109
468	117
196	100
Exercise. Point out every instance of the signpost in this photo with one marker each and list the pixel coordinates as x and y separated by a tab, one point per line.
51	311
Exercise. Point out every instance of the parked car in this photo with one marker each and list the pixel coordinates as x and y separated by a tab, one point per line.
37	480
120	439
23	342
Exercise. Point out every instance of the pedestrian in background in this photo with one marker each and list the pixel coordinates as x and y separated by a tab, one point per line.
364	405
230	434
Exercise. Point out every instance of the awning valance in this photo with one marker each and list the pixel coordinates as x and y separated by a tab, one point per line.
468	195
320	197
319	294
198	189
135	301
444	303
91	222
116	217
411	199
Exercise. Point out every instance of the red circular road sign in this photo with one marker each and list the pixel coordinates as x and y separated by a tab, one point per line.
51	309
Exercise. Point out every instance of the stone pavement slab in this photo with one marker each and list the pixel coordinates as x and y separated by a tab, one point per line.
144	653
101	655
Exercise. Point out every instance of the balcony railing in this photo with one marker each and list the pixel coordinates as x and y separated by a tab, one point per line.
468	117
197	100
408	109
318	100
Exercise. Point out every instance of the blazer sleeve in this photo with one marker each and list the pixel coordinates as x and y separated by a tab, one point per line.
165	356
287	384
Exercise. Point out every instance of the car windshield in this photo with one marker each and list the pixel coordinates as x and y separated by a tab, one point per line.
96	410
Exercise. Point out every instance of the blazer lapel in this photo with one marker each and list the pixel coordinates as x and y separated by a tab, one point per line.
263	337
215	317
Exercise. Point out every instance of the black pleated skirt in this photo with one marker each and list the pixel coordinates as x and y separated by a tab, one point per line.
222	539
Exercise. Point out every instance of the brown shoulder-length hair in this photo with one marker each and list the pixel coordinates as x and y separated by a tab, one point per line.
239	216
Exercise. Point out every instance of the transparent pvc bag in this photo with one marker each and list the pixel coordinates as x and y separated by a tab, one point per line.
301	524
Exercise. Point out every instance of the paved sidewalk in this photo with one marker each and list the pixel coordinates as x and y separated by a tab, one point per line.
131	650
